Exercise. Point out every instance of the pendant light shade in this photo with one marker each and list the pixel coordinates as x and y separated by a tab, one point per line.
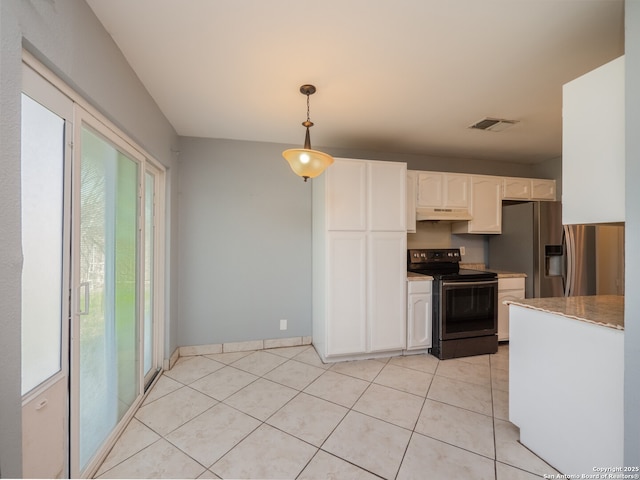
305	162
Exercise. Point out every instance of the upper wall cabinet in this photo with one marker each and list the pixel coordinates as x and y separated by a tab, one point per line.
593	153
364	196
437	189
515	188
485	206
412	186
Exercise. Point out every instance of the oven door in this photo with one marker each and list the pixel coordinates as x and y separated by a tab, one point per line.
468	308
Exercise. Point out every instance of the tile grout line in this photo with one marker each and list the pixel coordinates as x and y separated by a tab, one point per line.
301	390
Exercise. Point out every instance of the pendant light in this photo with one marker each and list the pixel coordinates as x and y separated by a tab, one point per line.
305	162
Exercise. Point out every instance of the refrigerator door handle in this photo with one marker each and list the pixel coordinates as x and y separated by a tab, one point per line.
570	244
564	261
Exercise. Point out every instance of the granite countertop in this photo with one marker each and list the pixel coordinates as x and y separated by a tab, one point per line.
413	277
605	310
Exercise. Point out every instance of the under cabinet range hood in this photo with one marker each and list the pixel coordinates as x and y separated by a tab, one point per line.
436	213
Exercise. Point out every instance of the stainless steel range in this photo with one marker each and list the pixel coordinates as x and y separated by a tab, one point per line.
465	303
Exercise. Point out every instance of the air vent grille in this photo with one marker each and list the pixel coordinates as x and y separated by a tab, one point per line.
493	124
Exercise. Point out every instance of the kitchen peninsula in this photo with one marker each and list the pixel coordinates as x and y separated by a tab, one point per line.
566	368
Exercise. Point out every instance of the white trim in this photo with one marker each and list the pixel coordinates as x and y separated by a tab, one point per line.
169	363
215	348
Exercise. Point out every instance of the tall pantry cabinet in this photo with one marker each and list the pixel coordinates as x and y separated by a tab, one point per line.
359	259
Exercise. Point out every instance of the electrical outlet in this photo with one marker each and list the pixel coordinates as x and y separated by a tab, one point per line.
283	324
462	251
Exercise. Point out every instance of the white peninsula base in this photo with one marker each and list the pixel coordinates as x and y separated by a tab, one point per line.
566	389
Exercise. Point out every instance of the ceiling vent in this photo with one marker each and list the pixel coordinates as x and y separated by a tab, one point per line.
493	124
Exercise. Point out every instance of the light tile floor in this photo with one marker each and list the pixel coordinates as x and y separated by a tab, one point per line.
282	413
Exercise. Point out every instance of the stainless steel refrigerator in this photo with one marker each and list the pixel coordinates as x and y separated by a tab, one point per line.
558	260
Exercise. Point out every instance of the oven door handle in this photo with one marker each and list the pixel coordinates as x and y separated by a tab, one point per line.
449	283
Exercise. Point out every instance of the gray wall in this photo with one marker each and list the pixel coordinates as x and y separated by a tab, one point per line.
67	37
632	233
245	243
245	237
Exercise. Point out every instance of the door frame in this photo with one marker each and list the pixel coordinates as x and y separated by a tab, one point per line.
147	162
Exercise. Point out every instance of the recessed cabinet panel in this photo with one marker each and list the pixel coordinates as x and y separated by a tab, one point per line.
543	189
387	183
485	207
430	189
347	198
447	190
516	188
508	289
346	290
456	190
419	314
386	281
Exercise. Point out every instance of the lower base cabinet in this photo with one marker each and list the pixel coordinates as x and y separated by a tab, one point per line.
419	314
508	289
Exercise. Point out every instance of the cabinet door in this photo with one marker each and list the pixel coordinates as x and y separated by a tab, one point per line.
386	186
456	190
346	195
508	289
346	293
437	189
387	274
485	206
430	189
516	188
543	189
412	196
419	321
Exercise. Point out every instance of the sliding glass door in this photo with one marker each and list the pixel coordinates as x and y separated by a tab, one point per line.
108	315
93	277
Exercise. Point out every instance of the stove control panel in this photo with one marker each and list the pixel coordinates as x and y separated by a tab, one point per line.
433	255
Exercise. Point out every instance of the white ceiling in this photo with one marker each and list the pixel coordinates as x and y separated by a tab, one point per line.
401	76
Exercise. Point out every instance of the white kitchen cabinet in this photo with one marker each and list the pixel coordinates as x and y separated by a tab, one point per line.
543	189
412	194
347	201
419	314
359	259
485	206
508	289
346	290
446	190
386	196
593	150
515	188
386	275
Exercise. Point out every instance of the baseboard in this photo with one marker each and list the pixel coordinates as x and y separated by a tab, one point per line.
250	345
